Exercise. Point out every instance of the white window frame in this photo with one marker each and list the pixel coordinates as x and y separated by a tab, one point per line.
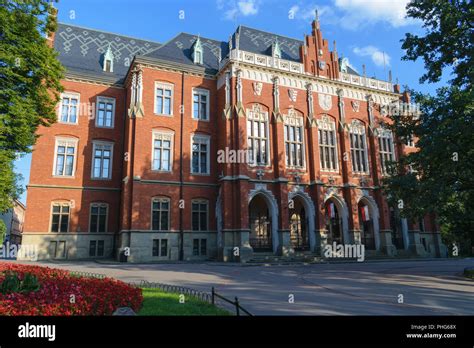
60	203
105	100
386	136
357	128
66	142
200	92
99	205
60	111
257	115
163	135
96	143
201	138
293	120
163	85
327	124
200	201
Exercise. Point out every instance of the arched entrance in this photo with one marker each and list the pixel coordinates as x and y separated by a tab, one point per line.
260	223
299	227
333	223
366	225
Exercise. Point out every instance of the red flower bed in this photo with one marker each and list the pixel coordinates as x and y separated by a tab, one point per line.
63	294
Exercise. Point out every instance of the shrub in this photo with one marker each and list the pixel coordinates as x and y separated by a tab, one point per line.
59	293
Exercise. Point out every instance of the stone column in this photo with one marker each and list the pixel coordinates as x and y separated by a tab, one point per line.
386	245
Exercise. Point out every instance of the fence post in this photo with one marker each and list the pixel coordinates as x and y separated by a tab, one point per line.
212	295
237	309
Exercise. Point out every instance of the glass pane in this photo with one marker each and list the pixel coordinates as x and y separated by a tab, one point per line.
167	110
203	221
164	247
159	105
164	221
93	226
195	221
102	219
64	222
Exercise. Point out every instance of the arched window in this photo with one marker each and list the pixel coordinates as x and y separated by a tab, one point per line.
358	147
257	136
294	139
386	149
327	144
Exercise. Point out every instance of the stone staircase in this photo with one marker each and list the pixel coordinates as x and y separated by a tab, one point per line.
270	258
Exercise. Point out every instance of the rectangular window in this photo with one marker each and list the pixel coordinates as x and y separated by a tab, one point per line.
105	112
160	247
98	217
257	137
359	153
386	150
92	248
164	99
69	109
162	151
160	214
200	104
199	215
60	217
199	247
65	157
200	155
102	160
327	149
293	135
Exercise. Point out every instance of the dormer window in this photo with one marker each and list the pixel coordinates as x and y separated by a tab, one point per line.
197	51
276	50
108	65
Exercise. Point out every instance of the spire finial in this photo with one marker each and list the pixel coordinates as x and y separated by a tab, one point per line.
316	15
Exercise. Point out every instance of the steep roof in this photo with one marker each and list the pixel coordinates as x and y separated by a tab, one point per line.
260	42
179	50
81	50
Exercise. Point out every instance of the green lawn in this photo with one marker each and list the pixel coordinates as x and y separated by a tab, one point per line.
158	302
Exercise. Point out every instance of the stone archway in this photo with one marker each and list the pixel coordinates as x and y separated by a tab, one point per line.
374	213
343	212
310	212
272	206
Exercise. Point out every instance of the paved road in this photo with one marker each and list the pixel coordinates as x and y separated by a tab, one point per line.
370	288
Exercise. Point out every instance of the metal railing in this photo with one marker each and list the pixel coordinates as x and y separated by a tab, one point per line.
203	296
238	307
261	243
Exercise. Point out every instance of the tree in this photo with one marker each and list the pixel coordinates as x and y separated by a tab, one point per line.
30	76
442	175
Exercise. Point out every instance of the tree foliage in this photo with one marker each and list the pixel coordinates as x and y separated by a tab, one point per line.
30	75
442	180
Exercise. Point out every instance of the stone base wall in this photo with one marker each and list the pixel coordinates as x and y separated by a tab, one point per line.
69	246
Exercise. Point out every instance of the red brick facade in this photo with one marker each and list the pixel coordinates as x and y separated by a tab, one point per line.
231	190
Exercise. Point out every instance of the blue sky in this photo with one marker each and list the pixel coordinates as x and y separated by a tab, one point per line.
366	31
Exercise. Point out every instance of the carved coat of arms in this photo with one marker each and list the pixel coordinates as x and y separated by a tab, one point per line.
325	101
257	88
293	93
355	105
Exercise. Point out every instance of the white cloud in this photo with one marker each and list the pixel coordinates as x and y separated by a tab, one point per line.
359	13
378	57
248	7
232	9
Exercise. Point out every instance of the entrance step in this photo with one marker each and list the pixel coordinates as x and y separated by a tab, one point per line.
258	258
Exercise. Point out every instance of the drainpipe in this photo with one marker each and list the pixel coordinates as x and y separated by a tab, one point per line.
181	232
